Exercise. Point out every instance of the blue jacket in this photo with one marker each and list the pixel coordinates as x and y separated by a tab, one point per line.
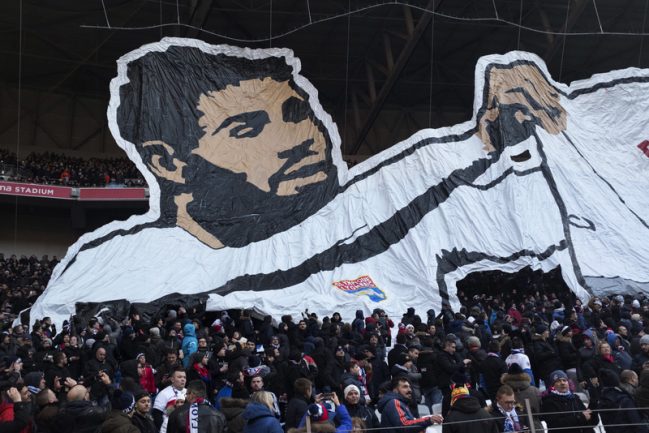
190	343
395	413
260	419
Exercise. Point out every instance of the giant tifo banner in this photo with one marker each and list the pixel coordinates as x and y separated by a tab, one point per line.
251	204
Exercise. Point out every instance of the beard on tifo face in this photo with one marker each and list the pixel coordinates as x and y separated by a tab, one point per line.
237	212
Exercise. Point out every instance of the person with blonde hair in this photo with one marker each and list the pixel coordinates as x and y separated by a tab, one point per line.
358	425
260	415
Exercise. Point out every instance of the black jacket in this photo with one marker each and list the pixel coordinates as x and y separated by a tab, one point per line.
470	418
616	398
295	409
210	420
79	417
545	359
491	370
447	365
363	412
571	415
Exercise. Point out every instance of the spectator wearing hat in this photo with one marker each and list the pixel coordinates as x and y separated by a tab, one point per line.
260	415
324	421
395	414
477	355
357	409
562	409
545	358
142	418
466	415
618	411
567	351
190	343
196	414
119	419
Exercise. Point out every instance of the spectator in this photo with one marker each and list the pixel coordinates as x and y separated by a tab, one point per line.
357	409
466	415
79	413
302	391
449	363
629	381
260	415
509	417
563	409
395	414
119	418
545	358
520	383
491	370
190	343
14	413
197	413
322	419
168	399
142	418
618	411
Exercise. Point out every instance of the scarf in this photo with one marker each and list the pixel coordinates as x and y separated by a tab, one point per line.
563	394
512	423
201	370
608	358
192	416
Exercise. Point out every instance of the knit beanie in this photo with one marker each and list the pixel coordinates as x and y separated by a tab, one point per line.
350	388
122	401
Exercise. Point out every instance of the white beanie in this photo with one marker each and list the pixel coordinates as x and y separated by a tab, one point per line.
350	388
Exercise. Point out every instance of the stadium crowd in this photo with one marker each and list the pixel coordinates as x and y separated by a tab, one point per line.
56	169
485	368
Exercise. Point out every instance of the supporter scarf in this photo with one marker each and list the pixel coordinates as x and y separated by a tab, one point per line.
192	416
608	358
512	423
201	370
563	394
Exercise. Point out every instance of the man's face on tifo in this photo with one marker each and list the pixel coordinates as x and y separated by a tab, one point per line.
262	128
523	86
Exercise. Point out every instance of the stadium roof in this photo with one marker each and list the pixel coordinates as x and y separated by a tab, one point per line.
370	59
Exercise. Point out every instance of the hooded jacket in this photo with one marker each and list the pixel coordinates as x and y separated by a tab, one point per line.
521	384
395	413
190	343
233	409
259	418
